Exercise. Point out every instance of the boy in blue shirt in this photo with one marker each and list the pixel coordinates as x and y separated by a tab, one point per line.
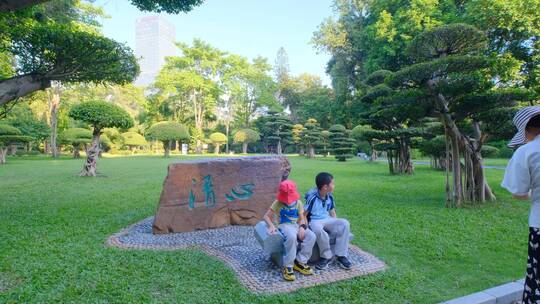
321	213
289	214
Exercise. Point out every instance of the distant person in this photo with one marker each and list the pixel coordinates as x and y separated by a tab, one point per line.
293	226
522	179
321	214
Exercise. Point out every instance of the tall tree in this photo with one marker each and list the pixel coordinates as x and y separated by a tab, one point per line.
277	131
194	78
342	143
311	137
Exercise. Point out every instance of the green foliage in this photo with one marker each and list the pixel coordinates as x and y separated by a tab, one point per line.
105	142
447	40
434	147
277	128
167	6
342	144
75	136
246	136
11	135
311	135
6	129
421	73
133	139
489	151
23	118
377	77
57	51
167	130
218	138
101	114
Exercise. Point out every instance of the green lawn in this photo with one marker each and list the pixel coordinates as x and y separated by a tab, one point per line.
54	225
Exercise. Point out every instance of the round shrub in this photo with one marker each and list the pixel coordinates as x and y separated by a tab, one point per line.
101	114
133	139
246	136
167	130
218	138
489	151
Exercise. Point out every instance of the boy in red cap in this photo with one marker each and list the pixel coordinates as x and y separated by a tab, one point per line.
291	222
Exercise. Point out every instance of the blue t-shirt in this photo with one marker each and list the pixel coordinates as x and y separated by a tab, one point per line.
318	207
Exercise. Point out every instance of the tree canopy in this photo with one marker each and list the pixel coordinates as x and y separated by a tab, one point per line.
101	114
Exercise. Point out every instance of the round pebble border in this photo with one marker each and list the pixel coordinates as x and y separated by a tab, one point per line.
238	248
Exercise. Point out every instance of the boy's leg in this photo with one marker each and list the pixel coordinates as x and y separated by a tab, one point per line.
317	226
290	232
341	229
306	247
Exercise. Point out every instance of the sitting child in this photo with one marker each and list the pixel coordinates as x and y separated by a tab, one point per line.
321	214
292	224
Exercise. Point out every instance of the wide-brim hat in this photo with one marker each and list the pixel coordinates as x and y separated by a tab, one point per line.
287	192
520	121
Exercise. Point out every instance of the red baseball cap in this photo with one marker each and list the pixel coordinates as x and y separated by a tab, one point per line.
287	192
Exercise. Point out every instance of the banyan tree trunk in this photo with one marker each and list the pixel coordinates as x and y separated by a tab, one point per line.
390	158
216	149
405	165
279	148
244	148
92	154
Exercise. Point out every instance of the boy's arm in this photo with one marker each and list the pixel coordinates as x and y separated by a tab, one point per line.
332	212
268	216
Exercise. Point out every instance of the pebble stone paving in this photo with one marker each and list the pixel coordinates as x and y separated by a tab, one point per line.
238	248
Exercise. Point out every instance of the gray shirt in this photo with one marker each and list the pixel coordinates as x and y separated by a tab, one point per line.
522	177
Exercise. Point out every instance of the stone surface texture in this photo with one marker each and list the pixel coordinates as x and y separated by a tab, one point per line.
218	192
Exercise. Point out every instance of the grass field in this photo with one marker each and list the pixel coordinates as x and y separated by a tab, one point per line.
54	225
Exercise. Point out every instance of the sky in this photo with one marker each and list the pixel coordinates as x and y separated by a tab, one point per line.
246	27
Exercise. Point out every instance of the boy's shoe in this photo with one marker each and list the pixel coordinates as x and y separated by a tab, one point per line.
288	274
323	263
344	262
302	268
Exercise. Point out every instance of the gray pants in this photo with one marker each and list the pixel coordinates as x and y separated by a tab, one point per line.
337	227
290	233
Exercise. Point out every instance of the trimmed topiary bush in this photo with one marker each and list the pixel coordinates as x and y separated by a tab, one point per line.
167	131
245	137
76	137
217	140
100	115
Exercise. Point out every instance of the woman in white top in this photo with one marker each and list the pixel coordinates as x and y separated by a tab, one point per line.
522	179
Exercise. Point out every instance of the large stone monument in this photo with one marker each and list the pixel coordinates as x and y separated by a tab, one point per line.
217	192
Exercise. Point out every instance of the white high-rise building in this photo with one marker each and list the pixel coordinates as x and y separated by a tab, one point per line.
154	40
